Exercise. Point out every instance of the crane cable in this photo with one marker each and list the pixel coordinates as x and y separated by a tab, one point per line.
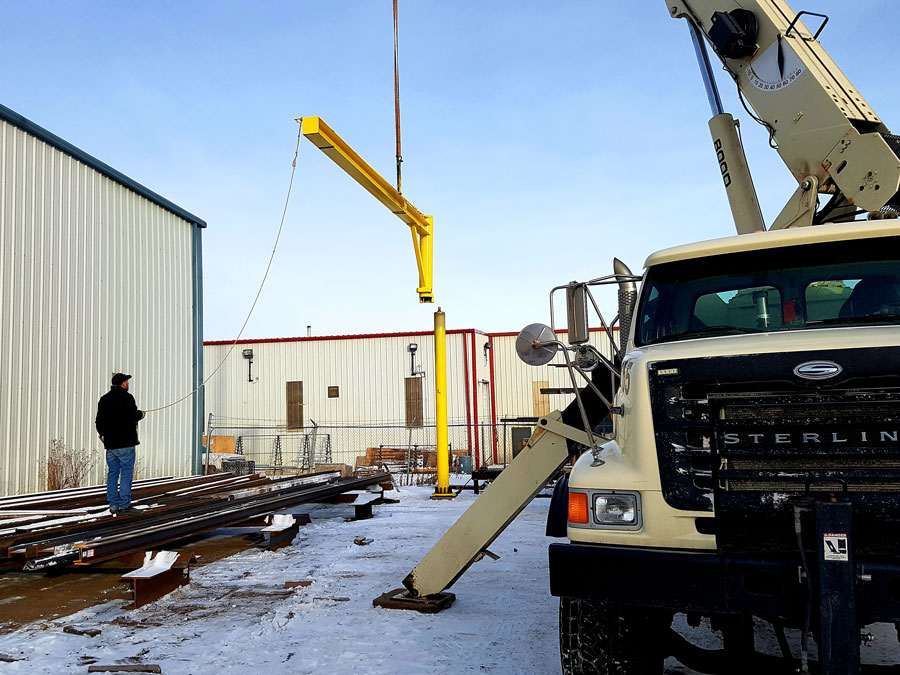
262	283
397	96
287	200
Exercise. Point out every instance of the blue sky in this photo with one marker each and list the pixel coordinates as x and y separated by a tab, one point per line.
545	138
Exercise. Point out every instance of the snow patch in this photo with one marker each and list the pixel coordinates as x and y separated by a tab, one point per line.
280	521
154	564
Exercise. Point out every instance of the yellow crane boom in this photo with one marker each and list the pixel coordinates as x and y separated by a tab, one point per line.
421	227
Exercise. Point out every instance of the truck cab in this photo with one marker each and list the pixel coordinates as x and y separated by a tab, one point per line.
754	468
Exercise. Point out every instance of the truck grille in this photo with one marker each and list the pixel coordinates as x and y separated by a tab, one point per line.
844	441
744	437
748	424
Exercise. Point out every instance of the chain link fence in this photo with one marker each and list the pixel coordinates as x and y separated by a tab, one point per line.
408	452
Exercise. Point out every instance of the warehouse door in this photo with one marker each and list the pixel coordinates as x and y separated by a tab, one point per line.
415	407
539	400
294	396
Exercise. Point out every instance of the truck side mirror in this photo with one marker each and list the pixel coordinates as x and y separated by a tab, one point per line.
536	344
577	313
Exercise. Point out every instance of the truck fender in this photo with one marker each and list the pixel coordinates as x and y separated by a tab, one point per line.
558	515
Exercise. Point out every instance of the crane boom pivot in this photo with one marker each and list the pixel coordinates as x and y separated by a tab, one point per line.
825	132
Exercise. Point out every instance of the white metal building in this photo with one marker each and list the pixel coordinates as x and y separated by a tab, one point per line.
97	274
372	384
523	391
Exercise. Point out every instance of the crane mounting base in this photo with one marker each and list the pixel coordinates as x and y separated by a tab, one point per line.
400	598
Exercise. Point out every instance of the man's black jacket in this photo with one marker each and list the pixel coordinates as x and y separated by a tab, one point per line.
117	418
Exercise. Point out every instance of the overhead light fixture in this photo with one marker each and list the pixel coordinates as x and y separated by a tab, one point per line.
413	371
248	354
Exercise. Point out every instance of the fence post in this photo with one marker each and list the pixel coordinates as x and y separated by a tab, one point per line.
277	459
312	447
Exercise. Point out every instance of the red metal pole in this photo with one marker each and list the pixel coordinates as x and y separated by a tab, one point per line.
468	410
475	393
493	401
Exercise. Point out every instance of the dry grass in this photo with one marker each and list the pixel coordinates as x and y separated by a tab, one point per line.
67	467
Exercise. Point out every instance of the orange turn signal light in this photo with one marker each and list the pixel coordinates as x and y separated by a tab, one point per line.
578	508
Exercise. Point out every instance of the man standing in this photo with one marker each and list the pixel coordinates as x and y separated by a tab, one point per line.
117	418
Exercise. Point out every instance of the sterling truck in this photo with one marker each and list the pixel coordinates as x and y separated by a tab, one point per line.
753	470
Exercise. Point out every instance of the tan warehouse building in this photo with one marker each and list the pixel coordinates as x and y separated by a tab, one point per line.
343	395
97	274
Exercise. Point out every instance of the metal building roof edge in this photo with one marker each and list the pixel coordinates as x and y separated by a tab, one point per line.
355	336
362	336
52	139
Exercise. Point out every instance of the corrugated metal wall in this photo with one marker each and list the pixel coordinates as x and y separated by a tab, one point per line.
93	279
513	379
517	385
369	372
483	398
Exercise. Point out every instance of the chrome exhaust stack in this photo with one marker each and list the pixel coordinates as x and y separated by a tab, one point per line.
627	301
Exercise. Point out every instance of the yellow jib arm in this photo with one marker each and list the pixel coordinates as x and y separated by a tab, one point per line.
420	226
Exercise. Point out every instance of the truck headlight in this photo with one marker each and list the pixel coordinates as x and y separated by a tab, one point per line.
615	508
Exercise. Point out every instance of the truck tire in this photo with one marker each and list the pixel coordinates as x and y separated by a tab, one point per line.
596	638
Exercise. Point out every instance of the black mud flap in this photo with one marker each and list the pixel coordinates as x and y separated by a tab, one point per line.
558	515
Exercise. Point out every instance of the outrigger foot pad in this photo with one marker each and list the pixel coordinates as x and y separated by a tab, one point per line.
400	598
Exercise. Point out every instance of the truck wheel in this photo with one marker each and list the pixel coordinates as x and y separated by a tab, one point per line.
596	638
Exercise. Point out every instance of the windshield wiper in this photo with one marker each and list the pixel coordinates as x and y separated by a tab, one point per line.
848	320
705	330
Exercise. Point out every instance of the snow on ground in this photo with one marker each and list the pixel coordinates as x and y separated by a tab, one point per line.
236	616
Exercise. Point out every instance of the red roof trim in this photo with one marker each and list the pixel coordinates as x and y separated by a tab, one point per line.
559	331
421	333
360	336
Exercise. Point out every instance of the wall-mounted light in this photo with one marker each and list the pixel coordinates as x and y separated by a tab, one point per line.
248	354
411	348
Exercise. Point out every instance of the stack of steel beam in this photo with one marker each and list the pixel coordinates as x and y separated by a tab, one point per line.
73	527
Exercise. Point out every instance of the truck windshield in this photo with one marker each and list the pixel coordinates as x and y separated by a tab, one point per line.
796	288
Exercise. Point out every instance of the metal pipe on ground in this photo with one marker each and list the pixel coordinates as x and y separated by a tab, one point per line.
112	547
42	542
112	542
44	537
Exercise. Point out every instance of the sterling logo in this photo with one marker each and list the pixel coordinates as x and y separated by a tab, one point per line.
817	370
853	438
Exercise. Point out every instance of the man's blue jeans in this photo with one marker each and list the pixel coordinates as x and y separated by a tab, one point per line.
120	463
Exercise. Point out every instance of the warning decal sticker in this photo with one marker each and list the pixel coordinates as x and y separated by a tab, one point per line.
836	546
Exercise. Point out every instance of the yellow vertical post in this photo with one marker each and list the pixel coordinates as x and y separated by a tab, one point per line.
442	489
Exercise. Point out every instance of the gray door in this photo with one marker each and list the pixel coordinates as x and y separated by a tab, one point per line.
520	436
